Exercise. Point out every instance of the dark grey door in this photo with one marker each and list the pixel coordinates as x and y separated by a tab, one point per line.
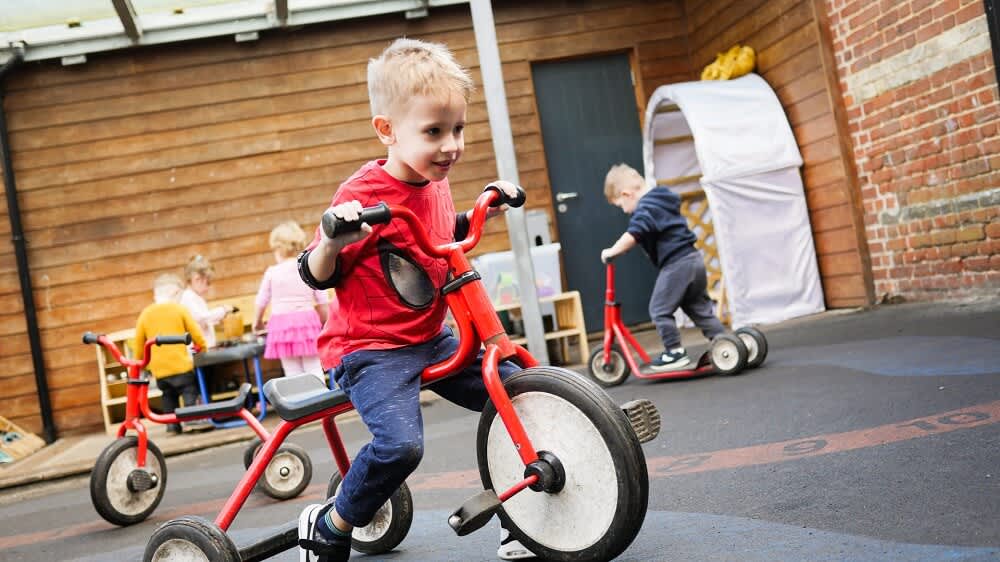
590	122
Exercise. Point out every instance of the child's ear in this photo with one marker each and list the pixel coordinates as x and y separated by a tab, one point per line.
383	129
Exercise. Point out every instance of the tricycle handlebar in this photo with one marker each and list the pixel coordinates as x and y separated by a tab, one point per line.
102	340
492	196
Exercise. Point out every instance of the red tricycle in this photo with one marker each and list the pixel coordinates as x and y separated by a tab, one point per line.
610	364
561	464
130	475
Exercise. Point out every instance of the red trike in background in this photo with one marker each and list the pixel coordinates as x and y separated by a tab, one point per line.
561	464
130	475
610	364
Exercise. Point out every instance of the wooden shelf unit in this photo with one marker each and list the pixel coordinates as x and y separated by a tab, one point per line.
113	395
568	322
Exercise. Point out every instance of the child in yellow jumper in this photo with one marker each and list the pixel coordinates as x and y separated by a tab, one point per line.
171	365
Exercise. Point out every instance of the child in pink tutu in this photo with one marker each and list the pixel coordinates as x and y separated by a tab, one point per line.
297	311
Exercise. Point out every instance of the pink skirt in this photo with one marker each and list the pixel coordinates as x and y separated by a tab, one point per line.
292	335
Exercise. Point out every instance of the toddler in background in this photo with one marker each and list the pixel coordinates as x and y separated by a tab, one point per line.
171	365
298	312
199	273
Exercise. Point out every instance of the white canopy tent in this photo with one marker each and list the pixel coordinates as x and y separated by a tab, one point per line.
732	138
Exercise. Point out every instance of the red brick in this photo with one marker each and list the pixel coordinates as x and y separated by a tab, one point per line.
970	233
993	230
976	263
941	237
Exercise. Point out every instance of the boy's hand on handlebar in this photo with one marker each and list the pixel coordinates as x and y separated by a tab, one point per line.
349	211
607	254
509	189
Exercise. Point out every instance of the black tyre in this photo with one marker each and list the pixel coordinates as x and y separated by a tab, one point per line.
728	354
113	497
288	473
599	510
612	374
190	539
250	451
389	527
756	345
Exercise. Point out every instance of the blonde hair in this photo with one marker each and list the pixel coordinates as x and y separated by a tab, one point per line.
408	68
288	238
199	265
618	178
167	286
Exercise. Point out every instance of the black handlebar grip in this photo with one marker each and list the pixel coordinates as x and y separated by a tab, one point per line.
334	225
515	202
90	337
170	340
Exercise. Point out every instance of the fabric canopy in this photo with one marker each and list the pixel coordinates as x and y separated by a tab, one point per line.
732	138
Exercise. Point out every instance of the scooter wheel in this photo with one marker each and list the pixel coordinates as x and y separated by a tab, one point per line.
390	525
597	510
614	372
190	539
728	354
756	345
122	493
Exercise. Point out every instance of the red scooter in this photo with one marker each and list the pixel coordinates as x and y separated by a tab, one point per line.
610	364
561	464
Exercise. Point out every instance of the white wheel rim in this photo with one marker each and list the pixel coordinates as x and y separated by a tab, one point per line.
285	472
751	343
179	550
725	356
615	360
116	483
580	514
378	527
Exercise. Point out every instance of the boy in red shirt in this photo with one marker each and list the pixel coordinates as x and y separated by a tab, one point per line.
389	322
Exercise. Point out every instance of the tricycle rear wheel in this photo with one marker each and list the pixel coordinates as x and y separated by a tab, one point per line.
389	526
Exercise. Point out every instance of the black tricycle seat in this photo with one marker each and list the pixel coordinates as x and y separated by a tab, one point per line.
301	395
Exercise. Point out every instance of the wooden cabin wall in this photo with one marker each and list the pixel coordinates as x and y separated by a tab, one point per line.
132	163
793	55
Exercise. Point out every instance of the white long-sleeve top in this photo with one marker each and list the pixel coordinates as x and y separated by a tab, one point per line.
206	317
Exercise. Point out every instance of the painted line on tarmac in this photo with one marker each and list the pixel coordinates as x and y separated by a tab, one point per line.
659	467
783	451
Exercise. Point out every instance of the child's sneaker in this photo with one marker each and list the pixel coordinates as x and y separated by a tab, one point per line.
315	546
672	360
511	548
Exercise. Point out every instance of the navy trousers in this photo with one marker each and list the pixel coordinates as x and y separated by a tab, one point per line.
384	386
682	283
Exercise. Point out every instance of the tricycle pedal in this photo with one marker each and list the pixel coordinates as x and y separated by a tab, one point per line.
474	513
644	419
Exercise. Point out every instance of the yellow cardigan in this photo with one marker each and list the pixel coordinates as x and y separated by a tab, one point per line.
167	319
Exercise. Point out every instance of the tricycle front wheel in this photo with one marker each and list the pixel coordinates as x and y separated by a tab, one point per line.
123	493
598	510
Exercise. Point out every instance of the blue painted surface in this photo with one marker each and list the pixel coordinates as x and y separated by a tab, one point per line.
902	356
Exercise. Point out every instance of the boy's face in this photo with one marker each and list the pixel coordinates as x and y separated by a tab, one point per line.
200	283
425	137
628	196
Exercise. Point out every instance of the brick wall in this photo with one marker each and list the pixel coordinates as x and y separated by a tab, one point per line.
920	90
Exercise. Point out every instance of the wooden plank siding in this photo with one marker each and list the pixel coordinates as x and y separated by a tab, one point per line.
790	56
132	163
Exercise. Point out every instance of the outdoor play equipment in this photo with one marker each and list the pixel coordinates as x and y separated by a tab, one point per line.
732	139
561	464
611	363
130	475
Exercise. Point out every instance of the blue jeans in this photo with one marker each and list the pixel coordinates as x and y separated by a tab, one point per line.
384	386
